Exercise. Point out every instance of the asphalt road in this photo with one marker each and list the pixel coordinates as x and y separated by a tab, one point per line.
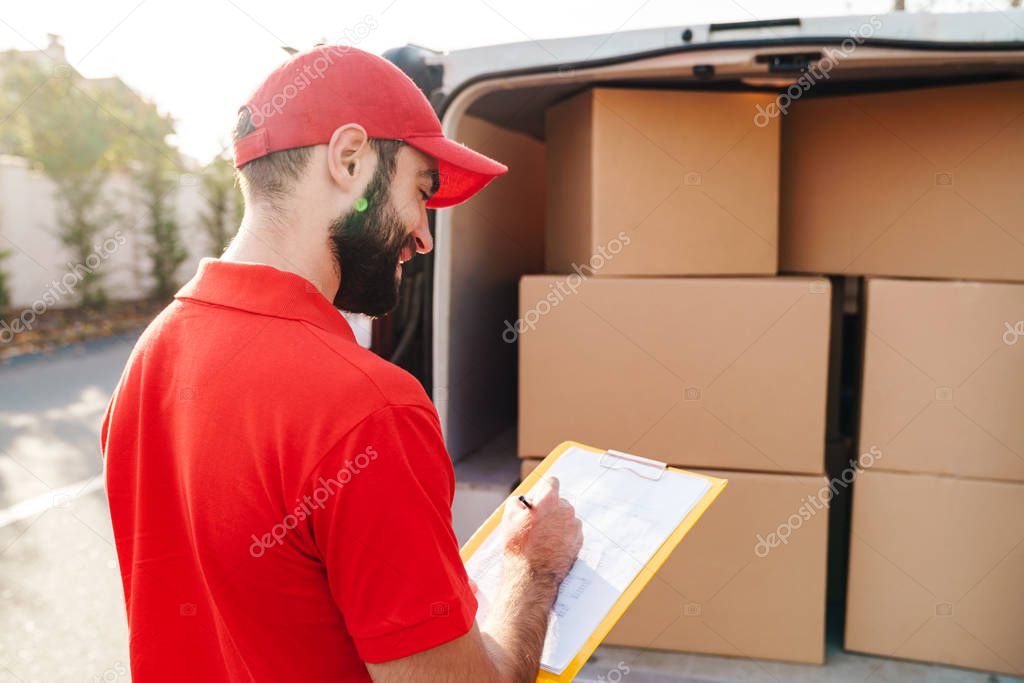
61	606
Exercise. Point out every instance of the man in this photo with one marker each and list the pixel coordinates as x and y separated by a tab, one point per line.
280	497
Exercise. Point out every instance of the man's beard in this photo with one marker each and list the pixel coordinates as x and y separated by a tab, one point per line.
367	246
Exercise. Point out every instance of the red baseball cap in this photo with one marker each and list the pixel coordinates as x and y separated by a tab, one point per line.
304	101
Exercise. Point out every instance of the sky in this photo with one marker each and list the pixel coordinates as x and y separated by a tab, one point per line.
200	59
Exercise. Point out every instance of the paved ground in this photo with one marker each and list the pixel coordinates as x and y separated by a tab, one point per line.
61	608
62	615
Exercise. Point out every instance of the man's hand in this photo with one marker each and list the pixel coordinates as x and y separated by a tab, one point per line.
547	538
541	545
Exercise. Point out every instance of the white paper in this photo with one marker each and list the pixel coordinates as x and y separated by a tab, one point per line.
626	518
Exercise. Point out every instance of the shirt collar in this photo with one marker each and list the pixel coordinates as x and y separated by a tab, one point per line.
263	290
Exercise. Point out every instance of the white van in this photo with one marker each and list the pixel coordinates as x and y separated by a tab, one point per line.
449	330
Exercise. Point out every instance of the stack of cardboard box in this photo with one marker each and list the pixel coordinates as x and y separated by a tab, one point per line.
628	343
927	184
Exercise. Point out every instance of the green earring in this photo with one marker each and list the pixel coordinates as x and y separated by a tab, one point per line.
361	204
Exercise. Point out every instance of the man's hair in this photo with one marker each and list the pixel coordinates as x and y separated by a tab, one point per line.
272	176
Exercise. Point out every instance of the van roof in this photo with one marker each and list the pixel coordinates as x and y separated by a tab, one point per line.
950	31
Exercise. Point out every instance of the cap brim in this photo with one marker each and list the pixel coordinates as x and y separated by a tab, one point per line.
463	171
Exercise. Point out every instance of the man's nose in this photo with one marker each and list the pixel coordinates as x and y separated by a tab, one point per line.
424	242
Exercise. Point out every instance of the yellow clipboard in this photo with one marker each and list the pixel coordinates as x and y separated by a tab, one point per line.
634	588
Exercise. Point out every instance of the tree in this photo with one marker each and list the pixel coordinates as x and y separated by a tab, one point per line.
56	123
157	176
80	131
223	202
5	289
164	246
155	167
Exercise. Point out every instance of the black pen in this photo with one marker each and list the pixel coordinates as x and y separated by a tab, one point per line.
522	499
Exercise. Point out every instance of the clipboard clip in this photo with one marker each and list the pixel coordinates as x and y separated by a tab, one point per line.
641	467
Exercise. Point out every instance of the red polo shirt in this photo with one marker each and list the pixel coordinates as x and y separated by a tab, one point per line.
280	497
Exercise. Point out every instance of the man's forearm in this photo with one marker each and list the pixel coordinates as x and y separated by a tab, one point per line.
518	620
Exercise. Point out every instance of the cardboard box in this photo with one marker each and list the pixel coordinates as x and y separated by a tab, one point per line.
720	373
915	183
943	387
526	466
658	182
935	570
732	587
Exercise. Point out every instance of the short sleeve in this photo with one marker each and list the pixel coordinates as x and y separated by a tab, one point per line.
385	535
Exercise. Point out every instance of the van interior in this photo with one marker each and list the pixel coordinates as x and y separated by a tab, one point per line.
484	246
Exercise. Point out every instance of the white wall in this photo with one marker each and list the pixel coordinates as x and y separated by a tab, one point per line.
28	229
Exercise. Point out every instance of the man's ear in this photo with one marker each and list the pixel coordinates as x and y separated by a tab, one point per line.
348	157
